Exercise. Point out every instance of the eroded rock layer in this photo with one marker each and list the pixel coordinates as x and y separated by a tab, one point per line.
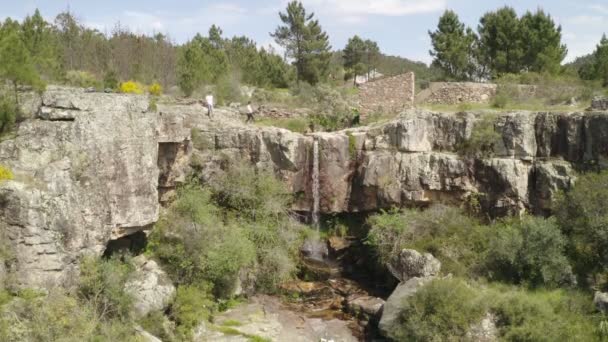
92	167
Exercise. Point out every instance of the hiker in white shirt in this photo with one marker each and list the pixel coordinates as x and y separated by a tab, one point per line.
209	101
249	112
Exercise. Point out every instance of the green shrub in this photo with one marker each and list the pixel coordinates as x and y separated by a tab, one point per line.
483	139
239	225
198	246
583	217
110	80
442	310
296	124
193	304
500	100
352	146
542	315
530	250
83	79
59	316
255	194
445	309
457	240
9	112
156	323
101	286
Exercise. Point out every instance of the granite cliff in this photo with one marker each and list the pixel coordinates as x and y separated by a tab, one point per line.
90	168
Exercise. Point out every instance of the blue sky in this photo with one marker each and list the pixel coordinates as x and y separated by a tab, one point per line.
399	26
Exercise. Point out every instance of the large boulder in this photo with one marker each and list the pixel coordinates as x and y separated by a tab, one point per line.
412	264
392	307
365	305
150	287
600	300
599	103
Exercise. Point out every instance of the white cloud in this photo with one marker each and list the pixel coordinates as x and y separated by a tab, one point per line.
587	20
144	22
393	8
599	8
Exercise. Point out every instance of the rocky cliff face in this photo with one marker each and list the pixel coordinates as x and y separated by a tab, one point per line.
85	172
92	167
414	160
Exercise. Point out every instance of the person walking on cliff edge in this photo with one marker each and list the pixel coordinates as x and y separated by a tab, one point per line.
249	113
209	102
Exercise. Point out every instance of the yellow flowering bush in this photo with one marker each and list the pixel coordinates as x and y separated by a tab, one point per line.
155	89
5	173
131	87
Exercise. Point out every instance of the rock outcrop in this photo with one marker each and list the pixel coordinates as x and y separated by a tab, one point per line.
415	160
150	287
410	264
394	303
92	167
85	172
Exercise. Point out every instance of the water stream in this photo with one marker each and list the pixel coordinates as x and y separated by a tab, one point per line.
315	184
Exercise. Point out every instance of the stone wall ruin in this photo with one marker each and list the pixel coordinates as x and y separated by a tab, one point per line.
389	95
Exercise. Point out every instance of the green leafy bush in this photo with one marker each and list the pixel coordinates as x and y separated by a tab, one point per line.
193	304
583	217
110	80
9	112
457	240
530	250
198	246
254	194
83	79
483	139
59	316
446	309
102	284
442	310
542	315
239	225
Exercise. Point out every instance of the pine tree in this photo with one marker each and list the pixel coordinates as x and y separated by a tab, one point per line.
600	61
453	47
541	43
305	41
353	55
500	42
372	55
190	67
38	39
16	65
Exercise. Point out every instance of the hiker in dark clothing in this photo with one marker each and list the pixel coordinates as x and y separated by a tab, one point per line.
356	118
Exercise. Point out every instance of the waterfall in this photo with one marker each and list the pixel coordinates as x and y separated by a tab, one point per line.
315	183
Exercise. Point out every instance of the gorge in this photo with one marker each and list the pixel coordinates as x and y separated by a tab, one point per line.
93	168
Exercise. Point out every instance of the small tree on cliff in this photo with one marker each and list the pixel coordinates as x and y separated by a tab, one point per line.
305	41
16	65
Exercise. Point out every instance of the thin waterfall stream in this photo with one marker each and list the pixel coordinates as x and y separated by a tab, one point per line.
315	184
